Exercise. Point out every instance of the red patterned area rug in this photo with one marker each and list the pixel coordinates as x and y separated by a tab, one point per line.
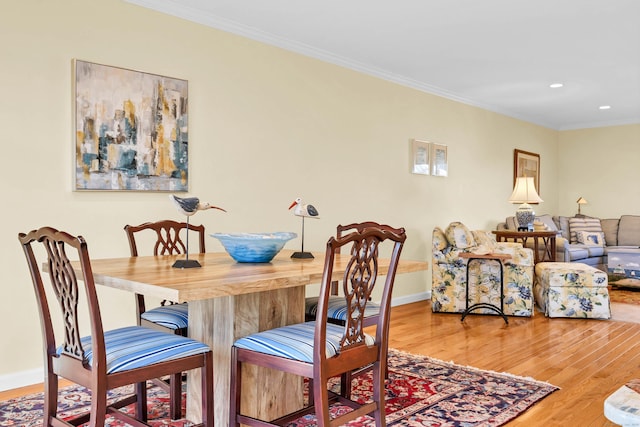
421	392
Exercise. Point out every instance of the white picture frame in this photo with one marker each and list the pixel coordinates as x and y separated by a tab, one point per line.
420	157
439	160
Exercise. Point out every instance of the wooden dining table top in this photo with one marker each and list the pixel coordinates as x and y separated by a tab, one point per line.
220	275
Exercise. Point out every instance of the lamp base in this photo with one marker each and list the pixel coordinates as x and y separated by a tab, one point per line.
302	255
525	217
186	263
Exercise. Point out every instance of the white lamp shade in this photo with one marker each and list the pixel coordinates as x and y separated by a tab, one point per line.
525	191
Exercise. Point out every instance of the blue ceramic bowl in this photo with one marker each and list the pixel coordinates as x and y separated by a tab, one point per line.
253	247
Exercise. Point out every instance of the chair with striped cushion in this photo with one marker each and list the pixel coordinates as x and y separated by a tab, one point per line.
100	360
337	307
170	316
318	349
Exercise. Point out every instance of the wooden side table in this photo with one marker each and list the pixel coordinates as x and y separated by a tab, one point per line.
499	258
548	239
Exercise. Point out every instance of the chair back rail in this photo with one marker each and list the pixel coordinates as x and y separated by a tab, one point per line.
67	292
168	241
358	282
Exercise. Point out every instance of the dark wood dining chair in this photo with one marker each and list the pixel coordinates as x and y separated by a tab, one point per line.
320	350
337	311
168	238
94	358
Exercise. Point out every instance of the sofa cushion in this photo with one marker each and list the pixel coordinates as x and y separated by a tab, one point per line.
458	235
610	229
595	251
548	221
577	252
590	238
629	230
583	224
563	222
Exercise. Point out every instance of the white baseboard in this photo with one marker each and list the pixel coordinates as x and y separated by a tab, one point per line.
35	376
408	299
21	379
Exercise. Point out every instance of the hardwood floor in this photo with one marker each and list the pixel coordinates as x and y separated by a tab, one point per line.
587	359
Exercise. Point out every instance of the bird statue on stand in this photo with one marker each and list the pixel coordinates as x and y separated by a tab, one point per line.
189	206
303	211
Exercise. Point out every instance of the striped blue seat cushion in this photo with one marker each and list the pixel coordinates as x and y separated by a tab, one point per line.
175	316
338	308
136	346
294	341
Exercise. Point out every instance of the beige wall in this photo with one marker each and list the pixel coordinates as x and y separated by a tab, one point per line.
603	166
266	126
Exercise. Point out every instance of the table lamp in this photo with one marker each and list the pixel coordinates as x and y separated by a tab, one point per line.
581	201
524	192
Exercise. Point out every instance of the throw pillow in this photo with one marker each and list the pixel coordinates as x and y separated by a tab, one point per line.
439	240
563	225
583	224
459	236
591	238
484	238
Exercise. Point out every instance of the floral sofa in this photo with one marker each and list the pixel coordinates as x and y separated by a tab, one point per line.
449	272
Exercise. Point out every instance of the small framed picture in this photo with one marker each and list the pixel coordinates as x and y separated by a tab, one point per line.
439	162
420	153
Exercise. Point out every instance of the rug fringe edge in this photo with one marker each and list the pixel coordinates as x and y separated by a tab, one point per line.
473	368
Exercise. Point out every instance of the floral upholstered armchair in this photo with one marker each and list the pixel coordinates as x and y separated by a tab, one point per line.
449	272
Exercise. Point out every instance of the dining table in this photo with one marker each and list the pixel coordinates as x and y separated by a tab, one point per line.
228	300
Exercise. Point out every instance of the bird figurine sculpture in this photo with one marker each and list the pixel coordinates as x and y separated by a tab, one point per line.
303	211
189	206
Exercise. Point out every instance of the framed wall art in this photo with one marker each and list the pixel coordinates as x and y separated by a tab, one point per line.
439	161
526	164
131	130
420	153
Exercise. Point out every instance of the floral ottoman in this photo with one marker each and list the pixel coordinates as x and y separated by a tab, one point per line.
574	289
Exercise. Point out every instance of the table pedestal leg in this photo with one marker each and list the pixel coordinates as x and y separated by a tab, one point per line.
219	322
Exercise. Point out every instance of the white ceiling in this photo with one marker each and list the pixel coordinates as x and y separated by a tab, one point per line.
500	55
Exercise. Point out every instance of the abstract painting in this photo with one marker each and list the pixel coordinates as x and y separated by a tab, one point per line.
131	130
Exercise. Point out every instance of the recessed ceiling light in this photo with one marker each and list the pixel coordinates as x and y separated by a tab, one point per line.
605	107
555	85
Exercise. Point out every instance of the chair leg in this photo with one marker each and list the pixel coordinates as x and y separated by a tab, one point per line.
175	396
345	384
141	401
235	388
98	406
321	402
378	394
206	372
50	398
